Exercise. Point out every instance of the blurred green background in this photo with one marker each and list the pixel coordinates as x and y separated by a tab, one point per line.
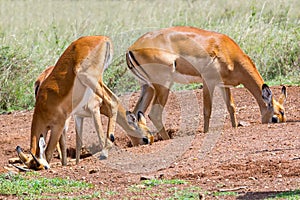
33	34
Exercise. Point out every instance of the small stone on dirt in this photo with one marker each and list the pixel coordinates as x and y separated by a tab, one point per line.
93	171
145	177
243	123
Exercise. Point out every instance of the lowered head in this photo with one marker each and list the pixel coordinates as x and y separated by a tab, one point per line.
275	111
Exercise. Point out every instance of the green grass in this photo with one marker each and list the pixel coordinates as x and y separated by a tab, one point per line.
33	34
33	186
217	194
191	192
172	189
290	195
156	182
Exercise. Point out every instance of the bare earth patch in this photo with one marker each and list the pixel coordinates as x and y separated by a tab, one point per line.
256	160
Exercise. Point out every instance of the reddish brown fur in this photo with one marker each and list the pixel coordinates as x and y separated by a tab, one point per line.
187	54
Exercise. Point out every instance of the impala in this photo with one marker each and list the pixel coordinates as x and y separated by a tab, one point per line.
66	91
187	55
125	119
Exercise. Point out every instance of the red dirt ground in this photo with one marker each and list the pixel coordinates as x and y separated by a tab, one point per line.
255	160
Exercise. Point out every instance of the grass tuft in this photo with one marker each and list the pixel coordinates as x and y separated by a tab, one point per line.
32	186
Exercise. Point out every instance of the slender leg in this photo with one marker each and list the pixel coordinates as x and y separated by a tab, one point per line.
145	99
56	133
110	100
62	147
208	91
158	104
78	129
230	105
104	142
111	128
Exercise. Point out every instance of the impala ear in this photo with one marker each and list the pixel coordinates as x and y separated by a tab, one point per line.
36	88
282	96
141	118
267	95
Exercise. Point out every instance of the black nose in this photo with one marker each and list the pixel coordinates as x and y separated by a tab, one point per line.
275	119
145	140
18	148
46	167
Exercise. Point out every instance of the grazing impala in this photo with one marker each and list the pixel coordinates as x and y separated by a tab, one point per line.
186	55
74	80
124	119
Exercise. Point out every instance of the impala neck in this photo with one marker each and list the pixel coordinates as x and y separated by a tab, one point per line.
36	131
122	119
253	81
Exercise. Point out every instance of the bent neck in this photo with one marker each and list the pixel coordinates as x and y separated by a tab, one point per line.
253	82
122	119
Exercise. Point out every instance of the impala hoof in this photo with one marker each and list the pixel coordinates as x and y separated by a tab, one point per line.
112	137
103	155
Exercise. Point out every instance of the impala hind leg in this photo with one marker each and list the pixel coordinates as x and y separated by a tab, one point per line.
78	129
230	105
62	147
158	104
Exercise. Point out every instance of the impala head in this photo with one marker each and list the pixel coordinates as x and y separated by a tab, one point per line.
33	162
275	110
140	132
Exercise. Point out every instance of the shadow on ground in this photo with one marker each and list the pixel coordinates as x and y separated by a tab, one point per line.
271	194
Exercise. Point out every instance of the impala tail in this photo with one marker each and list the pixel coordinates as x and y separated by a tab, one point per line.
132	64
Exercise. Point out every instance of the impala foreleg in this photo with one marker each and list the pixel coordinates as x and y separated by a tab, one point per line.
78	129
55	135
105	144
111	101
62	149
230	105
